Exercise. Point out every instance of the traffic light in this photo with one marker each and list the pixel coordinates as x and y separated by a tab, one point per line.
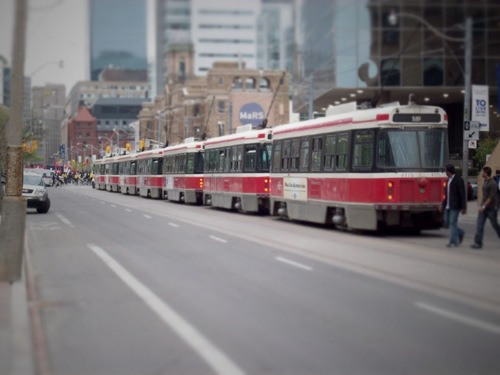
141	145
108	149
128	147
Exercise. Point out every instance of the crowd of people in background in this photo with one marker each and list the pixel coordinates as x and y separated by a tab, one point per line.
60	178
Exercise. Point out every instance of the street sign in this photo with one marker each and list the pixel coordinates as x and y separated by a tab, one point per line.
473	144
471	130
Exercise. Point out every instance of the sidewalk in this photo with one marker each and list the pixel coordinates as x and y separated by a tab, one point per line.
16	355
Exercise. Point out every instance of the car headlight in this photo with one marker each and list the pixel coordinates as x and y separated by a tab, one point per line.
39	193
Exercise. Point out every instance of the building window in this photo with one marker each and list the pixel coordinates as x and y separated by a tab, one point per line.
390	32
221	106
182	70
250	83
237	83
264	84
87	135
221	81
433	72
390	72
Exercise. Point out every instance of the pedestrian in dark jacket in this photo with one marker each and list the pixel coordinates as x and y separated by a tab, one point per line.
488	209
454	204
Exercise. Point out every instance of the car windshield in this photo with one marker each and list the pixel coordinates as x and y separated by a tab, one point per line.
31	179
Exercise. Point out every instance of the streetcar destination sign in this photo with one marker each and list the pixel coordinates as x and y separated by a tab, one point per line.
416	117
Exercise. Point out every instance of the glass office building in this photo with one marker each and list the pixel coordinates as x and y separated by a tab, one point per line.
117	35
376	51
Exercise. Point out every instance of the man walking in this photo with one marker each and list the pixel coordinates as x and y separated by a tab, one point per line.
488	208
453	204
497	181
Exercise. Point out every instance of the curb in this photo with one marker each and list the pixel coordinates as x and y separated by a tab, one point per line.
40	349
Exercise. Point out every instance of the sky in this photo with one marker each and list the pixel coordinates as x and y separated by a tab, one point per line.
57	31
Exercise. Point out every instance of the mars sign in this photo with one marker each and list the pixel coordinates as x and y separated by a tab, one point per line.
251	113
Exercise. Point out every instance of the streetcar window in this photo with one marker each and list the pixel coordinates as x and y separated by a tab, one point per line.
115	168
222	158
295	153
190	164
316	154
342	150
133	168
265	157
304	155
229	157
154	168
250	158
198	162
239	158
329	156
363	150
285	157
411	149
276	157
432	148
213	158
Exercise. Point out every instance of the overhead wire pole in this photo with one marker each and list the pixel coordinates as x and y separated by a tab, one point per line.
14	206
467	96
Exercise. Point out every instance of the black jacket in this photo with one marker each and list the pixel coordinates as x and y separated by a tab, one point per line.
458	199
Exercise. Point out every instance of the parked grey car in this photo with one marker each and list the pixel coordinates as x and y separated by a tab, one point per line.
35	192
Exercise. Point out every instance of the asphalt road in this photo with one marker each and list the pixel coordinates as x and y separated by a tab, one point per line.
128	285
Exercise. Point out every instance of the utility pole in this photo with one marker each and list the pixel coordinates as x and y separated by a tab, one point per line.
467	97
311	98
14	205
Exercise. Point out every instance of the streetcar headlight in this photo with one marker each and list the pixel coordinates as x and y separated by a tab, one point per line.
390	190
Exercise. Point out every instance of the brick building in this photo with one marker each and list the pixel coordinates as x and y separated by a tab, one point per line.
227	97
81	135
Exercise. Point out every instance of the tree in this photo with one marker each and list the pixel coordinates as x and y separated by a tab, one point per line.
485	147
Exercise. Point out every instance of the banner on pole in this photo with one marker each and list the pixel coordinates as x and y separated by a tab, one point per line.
480	107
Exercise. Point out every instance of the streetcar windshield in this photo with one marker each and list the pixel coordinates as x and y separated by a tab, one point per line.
411	149
265	157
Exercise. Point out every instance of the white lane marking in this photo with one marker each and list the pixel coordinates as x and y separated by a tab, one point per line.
218	239
460	318
128	210
148	217
295	264
113	206
173	225
64	220
93	200
215	358
102	202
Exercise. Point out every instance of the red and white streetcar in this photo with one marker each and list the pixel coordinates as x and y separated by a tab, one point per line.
149	173
237	170
127	173
183	172
362	169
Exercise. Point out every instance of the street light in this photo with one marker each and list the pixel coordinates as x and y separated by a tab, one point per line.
467	40
109	139
60	64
